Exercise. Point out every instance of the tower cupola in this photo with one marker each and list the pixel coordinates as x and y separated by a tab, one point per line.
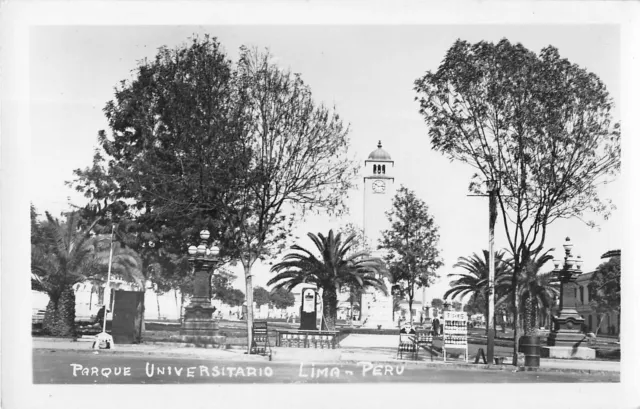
379	161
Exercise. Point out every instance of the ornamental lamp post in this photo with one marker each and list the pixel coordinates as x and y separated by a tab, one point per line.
566	334
198	325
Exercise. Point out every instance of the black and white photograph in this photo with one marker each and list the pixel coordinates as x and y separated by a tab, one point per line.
303	194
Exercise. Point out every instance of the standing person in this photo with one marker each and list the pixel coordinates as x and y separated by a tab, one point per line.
436	326
100	316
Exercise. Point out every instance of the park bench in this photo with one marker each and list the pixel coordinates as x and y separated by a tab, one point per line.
407	344
424	339
260	344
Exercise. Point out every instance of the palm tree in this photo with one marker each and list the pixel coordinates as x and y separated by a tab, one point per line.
335	268
64	255
475	280
537	291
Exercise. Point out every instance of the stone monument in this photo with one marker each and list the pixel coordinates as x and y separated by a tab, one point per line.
198	325
566	339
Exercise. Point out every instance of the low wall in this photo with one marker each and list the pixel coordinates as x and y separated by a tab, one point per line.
307	339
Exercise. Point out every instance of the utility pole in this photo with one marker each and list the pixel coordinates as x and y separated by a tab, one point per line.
107	286
493	214
493	187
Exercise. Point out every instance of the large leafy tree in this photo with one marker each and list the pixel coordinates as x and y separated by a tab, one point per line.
477	305
437	303
200	142
537	123
235	298
166	169
261	296
604	287
221	287
330	266
411	244
298	160
281	298
62	255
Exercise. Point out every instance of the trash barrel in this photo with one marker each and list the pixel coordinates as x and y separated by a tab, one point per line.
530	347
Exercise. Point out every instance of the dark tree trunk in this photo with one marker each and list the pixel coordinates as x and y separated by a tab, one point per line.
182	305
249	298
60	315
329	309
516	322
486	323
486	313
50	316
393	309
351	311
411	310
175	296
529	316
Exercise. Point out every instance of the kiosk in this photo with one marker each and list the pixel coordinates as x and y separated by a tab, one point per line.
454	333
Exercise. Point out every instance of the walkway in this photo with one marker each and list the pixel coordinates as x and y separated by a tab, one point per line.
354	348
357	347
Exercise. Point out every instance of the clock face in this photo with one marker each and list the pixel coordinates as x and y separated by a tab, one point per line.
379	186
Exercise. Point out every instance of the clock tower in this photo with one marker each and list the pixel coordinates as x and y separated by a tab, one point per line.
379	190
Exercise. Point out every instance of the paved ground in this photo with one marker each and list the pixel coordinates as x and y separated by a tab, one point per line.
384	347
346	354
71	367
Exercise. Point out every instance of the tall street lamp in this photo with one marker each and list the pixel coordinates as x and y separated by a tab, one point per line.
492	190
198	325
566	337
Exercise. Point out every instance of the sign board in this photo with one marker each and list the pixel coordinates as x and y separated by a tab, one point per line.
308	300
308	313
454	332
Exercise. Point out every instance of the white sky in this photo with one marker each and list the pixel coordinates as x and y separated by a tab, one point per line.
367	72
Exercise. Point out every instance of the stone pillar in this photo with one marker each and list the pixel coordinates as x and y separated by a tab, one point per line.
198	325
566	338
567	326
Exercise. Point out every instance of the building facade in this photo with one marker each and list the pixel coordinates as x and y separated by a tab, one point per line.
609	323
